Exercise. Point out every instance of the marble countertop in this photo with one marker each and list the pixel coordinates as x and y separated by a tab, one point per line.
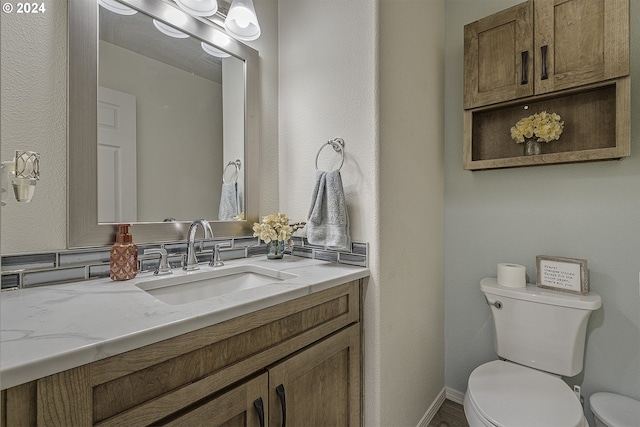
50	329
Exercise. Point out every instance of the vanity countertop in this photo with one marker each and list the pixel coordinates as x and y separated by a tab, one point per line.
50	329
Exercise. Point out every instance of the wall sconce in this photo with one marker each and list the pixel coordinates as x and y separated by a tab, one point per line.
23	172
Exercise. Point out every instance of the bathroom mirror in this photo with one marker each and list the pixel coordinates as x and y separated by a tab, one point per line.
170	117
174	181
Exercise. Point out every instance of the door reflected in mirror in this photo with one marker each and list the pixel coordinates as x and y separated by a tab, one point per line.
171	125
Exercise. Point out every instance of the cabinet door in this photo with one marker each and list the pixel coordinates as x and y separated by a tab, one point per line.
319	386
498	57
579	42
242	406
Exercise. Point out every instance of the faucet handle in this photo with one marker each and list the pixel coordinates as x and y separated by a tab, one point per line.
216	261
163	264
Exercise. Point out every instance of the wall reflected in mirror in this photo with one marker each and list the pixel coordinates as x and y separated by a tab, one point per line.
171	125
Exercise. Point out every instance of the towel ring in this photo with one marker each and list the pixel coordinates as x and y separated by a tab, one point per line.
237	164
338	146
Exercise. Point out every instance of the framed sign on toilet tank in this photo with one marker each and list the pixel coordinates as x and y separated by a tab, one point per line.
562	274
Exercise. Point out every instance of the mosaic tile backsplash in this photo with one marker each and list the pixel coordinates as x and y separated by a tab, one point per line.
39	269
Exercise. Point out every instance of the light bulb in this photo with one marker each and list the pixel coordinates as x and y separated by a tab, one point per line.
242	22
243	18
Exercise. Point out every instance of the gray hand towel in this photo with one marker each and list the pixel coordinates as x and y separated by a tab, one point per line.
229	206
328	219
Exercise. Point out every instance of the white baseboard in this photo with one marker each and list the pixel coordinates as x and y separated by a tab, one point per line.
446	393
433	409
455	395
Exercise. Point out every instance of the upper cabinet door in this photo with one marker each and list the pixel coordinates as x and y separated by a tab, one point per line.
578	42
499	57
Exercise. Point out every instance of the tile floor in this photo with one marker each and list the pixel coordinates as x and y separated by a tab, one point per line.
450	414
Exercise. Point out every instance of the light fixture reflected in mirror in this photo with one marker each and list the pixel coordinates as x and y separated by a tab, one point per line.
241	21
220	39
169	31
117	7
214	51
198	7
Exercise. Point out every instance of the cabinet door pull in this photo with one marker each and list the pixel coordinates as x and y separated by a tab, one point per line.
525	59
543	50
283	404
260	409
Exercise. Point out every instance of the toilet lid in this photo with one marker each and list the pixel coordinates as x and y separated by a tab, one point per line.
615	409
507	394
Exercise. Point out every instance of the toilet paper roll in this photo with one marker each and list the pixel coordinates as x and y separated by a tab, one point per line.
512	275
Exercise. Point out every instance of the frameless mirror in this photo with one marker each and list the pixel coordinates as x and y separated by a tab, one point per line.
174	134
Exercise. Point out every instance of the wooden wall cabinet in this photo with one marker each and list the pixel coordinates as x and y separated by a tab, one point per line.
498	60
548	55
569	43
579	42
301	358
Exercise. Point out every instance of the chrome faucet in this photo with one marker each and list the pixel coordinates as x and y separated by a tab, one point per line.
192	260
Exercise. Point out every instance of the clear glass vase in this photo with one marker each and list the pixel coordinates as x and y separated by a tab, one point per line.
275	249
532	147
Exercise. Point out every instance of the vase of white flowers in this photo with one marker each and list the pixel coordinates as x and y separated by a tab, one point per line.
537	128
275	231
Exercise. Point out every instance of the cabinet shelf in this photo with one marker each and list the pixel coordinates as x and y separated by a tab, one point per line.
596	127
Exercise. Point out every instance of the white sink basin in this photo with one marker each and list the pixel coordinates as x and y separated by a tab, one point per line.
195	286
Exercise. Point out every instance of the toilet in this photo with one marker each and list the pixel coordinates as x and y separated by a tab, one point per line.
539	334
615	410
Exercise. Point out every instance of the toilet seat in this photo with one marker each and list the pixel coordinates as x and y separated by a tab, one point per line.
615	409
505	394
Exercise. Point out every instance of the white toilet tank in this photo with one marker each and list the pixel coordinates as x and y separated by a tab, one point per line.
540	328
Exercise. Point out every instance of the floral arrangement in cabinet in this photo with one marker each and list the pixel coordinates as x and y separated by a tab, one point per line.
544	126
538	127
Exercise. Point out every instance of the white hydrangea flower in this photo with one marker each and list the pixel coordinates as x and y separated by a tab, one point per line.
273	227
545	126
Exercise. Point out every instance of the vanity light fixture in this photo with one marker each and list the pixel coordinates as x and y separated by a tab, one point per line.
117	7
241	21
169	30
198	7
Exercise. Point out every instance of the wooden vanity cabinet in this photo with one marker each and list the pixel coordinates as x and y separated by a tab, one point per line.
307	349
310	387
543	46
242	406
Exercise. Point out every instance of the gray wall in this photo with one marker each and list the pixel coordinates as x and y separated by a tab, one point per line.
586	210
344	72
